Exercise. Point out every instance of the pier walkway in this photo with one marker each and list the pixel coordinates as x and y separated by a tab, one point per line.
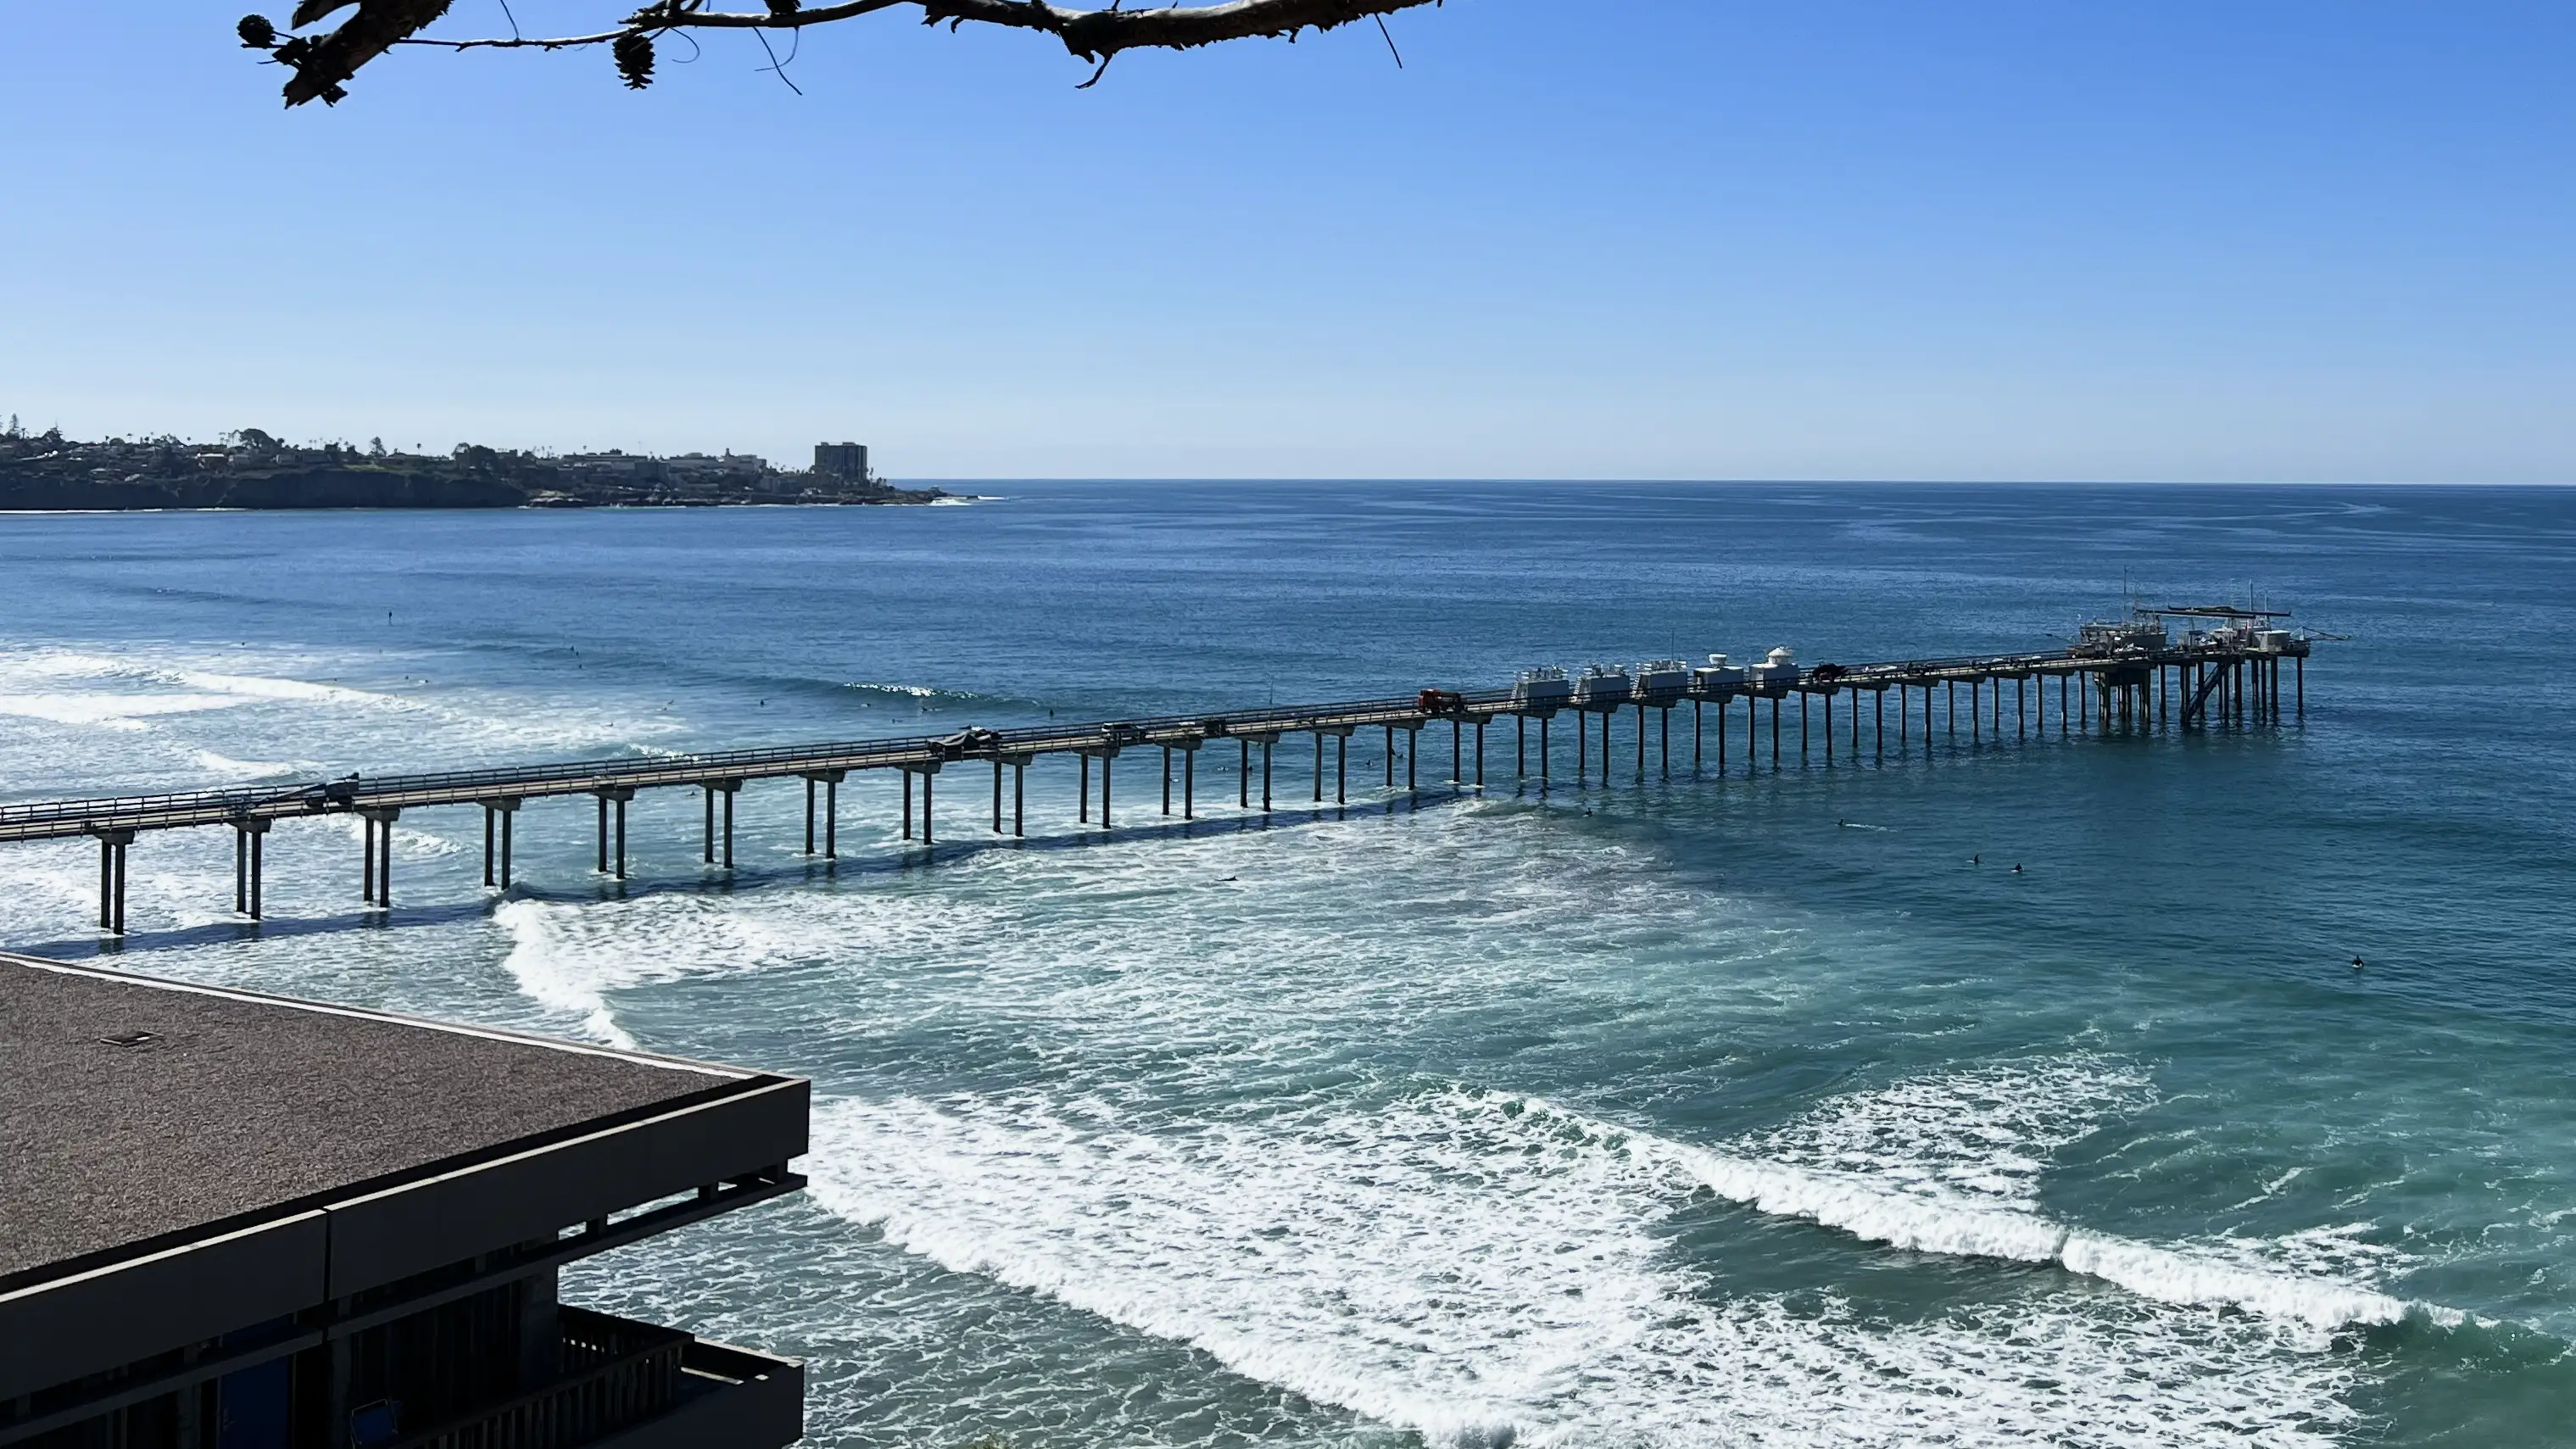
2115	677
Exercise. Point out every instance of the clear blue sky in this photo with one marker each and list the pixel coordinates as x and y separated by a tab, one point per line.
1574	238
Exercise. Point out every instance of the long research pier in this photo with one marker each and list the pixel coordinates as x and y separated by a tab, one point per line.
2126	676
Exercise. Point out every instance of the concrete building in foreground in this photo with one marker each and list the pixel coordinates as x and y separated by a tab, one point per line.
232	1221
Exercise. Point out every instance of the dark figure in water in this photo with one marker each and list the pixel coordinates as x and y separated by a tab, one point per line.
1976	860
2016	870
2356	963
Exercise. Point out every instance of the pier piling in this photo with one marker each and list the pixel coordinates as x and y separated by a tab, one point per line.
2233	675
500	815
111	879
249	833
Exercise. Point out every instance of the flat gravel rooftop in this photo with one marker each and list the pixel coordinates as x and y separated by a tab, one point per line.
133	1111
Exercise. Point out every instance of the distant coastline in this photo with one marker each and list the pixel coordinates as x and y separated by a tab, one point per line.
48	473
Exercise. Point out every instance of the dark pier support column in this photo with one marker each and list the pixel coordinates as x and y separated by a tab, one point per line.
1167	781
2299	679
1390	757
1582	745
1664	745
1085	816
1543	750
997	794
1950	709
1019	798
1189	781
830	780
2021	707
1855	726
499	816
1752	734
1803	697
1412	759
1904	720
1458	750
249	833
1342	768
1243	776
111	879
707	832
929	785
715	790
1266	742
1775	732
1608	715
1878	724
1829	726
380	855
1699	721
1480	754
1976	717
1641	740
1520	746
1319	767
1105	757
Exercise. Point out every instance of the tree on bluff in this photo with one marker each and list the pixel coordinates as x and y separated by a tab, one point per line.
323	60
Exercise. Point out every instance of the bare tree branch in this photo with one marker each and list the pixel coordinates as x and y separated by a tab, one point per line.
323	62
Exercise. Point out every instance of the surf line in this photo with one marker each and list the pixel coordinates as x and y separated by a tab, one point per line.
1956	1227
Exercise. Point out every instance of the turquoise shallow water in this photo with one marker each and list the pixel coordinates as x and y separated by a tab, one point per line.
1729	1110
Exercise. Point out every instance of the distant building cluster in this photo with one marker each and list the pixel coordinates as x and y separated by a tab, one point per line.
253	468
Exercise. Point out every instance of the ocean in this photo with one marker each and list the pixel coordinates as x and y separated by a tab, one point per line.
2011	1091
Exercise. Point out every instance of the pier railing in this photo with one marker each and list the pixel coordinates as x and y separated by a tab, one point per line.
2235	675
60	819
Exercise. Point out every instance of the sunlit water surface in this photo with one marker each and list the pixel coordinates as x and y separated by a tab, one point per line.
1755	1108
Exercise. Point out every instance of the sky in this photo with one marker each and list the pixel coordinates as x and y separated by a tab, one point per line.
2294	241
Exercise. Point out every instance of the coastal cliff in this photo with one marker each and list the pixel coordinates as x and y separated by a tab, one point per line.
48	473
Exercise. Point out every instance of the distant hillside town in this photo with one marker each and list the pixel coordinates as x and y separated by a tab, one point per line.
252	469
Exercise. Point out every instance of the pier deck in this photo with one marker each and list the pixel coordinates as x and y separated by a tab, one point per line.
2230	673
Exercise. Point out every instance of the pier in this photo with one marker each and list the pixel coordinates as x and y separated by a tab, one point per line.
2224	670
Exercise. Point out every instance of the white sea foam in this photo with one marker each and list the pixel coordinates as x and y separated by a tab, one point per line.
128	691
1483	1271
1983	1134
232	769
1473	1265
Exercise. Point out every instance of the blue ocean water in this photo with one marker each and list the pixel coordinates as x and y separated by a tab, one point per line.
1764	1107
